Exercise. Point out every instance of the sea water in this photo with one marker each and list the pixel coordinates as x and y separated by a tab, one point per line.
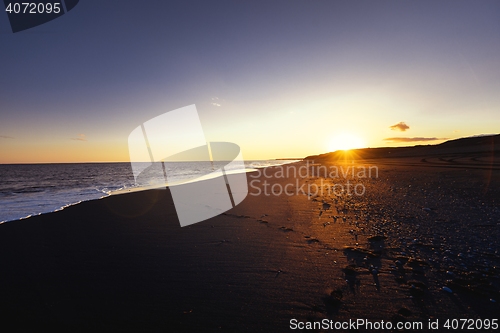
32	189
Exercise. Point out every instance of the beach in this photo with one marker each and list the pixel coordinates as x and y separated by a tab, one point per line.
250	166
420	243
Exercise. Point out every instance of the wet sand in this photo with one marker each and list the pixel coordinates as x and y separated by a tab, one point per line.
123	263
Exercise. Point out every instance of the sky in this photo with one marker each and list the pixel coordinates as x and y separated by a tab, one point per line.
281	79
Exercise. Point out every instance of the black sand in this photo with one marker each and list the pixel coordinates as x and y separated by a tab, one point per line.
123	263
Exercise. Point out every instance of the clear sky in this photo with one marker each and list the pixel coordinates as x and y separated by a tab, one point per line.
279	78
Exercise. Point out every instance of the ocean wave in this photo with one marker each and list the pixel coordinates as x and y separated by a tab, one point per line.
31	190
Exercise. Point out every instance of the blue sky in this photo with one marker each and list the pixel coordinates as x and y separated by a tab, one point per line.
280	78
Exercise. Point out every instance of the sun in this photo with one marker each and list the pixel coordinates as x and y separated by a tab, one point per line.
345	141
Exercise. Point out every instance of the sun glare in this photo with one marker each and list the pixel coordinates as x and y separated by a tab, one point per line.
345	141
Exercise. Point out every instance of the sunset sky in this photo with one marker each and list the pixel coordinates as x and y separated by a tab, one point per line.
278	78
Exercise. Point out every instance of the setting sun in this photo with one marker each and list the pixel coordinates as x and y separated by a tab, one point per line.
345	141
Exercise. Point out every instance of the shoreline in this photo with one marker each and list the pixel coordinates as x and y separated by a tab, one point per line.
119	191
124	262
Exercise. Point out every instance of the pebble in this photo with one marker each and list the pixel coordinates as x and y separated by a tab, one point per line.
448	290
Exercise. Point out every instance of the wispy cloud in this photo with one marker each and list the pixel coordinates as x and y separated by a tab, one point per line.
5	137
216	101
81	137
401	126
416	139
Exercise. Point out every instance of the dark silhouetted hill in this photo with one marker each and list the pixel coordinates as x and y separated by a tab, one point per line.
483	144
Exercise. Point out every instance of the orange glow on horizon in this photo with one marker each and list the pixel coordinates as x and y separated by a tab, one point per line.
345	141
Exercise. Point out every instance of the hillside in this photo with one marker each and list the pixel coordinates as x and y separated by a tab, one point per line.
481	145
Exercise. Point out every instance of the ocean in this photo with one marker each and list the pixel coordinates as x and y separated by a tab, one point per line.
31	189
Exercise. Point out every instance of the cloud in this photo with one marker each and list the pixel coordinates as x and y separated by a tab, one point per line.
5	137
81	137
401	126
216	101
416	139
